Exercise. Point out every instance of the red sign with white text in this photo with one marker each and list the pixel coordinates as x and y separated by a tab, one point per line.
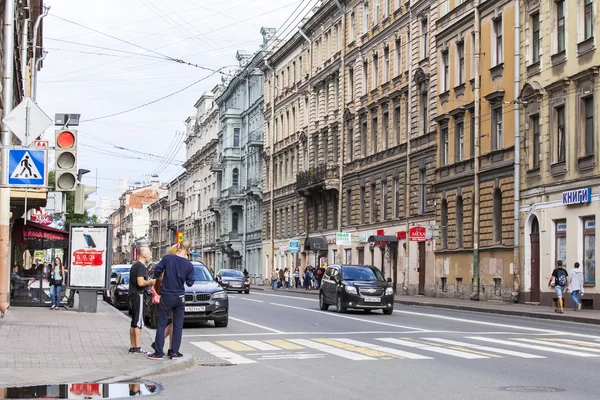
88	258
42	219
418	234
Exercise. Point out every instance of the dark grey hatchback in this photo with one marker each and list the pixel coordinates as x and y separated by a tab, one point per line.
204	301
356	286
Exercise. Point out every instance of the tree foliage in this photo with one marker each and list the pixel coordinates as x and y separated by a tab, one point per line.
67	218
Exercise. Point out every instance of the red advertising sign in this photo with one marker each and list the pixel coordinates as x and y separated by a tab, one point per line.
418	234
380	232
42	219
88	258
401	235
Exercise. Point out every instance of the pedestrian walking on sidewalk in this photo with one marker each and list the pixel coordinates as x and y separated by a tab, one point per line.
274	278
560	281
57	278
138	283
176	270
576	279
169	328
296	277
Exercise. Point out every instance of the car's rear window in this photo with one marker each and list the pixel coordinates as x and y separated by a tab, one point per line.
233	274
361	274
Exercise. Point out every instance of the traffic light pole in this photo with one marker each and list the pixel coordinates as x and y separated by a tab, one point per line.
6	136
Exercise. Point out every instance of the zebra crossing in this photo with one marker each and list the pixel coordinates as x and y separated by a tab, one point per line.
397	348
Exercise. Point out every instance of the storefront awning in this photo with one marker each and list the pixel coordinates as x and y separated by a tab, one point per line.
39	237
383	238
315	244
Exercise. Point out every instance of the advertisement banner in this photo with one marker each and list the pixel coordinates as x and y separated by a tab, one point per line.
418	234
89	256
343	239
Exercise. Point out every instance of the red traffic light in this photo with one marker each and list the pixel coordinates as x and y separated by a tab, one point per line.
65	140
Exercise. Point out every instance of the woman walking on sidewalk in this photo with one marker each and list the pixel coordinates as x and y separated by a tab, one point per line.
57	277
576	286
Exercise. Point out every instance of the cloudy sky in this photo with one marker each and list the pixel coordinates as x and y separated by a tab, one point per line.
91	69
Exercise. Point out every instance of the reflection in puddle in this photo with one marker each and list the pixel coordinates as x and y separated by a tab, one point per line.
81	391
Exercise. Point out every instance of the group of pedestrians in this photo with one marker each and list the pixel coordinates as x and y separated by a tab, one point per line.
172	272
288	278
564	282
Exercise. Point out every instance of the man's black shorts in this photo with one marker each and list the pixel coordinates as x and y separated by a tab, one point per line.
137	310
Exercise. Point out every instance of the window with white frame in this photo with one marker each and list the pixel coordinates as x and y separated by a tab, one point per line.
459	133
351	84
385	126
589	250
375	74
472	55
460	54
445	71
352	27
498	54
535	38
398	57
374	138
422	190
365	18
386	64
560	134
588	139
497	138
386	8
588	15
444	7
424	37
365	77
424	112
445	150
560	240
536	141
560	25
376	13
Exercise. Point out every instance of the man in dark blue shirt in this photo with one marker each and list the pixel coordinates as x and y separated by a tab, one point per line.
176	270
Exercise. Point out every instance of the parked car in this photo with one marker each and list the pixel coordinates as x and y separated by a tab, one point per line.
232	279
114	271
356	286
204	301
119	291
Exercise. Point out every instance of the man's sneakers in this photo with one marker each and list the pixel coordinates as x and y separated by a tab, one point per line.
136	350
154	356
174	355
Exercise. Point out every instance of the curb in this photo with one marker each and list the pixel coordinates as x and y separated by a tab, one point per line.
187	361
516	313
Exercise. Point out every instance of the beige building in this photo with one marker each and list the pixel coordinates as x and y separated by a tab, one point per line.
560	178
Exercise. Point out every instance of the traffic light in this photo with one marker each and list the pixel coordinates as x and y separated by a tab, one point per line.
81	204
66	160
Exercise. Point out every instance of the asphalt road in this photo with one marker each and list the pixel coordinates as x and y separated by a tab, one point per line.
280	345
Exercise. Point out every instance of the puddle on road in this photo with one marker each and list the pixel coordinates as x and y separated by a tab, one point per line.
81	391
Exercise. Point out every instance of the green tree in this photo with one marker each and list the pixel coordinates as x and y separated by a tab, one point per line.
67	218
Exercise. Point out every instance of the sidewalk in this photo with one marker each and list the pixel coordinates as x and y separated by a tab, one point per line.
41	346
492	307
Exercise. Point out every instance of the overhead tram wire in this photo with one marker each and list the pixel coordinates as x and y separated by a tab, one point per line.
292	24
169	158
170	149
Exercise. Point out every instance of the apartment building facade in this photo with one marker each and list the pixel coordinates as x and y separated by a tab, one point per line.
560	175
239	164
201	183
158	233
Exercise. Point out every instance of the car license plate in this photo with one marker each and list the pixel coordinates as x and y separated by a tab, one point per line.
195	309
372	299
236	284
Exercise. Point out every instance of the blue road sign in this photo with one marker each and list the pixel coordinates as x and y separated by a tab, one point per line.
27	167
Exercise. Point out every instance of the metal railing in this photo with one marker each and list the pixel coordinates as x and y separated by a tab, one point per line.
317	175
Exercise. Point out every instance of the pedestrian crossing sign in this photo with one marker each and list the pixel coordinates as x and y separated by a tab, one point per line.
28	167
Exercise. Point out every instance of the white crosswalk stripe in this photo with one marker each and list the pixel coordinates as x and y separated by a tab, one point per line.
389	350
534	347
222	353
485	348
560	345
258	345
435	349
332	350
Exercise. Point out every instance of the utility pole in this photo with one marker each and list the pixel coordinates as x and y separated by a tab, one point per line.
476	282
7	100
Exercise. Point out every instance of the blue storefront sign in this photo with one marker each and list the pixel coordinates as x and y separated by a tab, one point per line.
577	196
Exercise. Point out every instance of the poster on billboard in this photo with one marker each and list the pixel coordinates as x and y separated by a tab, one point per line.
89	256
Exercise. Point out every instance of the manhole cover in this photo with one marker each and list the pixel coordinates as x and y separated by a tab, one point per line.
216	365
82	391
532	389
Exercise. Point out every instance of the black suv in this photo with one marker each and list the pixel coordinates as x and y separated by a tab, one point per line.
205	300
232	279
356	286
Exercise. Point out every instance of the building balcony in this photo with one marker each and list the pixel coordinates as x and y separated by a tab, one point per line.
180	197
216	166
154	245
255	138
172	225
317	179
233	191
213	205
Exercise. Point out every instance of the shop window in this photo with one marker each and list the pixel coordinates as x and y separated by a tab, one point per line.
589	250
444	227
560	240
361	256
497	216
459	222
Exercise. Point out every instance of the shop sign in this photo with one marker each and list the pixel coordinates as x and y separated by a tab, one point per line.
89	250
364	238
401	235
294	246
343	239
179	237
577	196
42	219
418	234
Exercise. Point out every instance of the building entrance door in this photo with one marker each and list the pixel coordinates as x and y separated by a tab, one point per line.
534	239
421	267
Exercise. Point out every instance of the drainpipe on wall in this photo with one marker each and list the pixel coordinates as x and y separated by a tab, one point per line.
476	272
24	52
342	125
310	71
517	156
272	149
246	170
34	48
407	185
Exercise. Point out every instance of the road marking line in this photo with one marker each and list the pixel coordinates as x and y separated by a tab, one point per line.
332	350
293	357
235	345
388	350
287	297
349	317
257	301
459	348
322	333
561	345
258	345
485	348
533	347
222	353
354	348
255	325
578	342
434	349
284	344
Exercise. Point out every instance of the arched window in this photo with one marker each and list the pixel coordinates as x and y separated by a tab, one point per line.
444	227
497	216
235	177
234	222
459	222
